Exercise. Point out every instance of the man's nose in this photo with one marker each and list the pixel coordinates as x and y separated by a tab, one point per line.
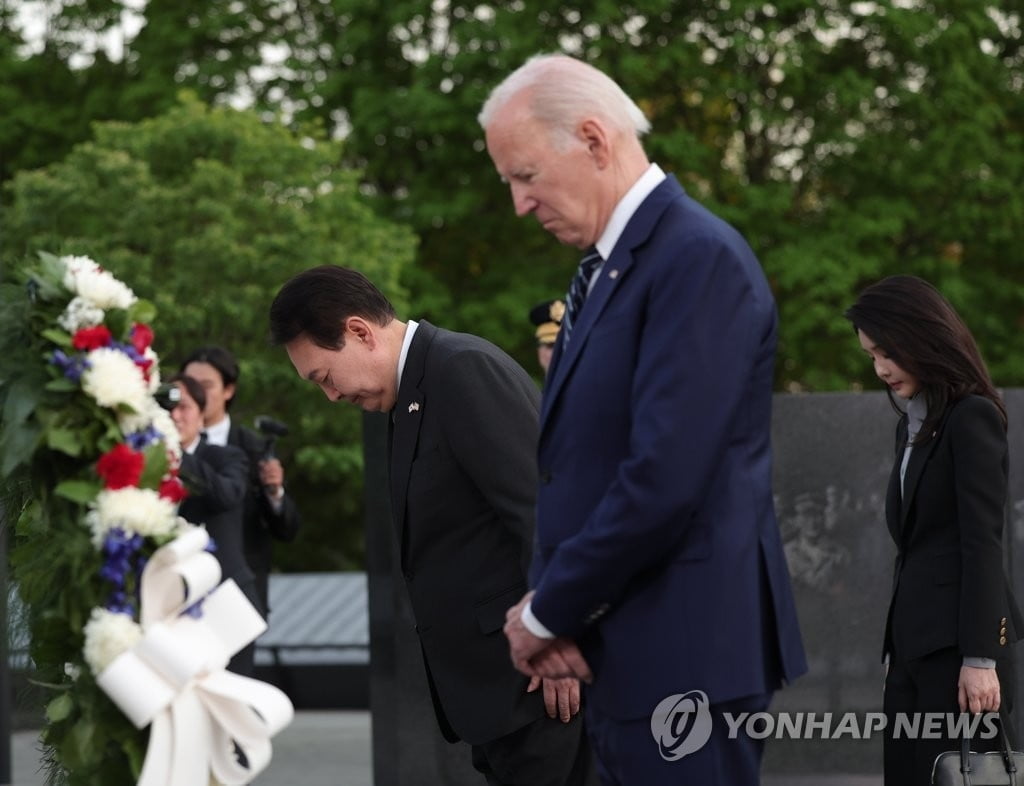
522	201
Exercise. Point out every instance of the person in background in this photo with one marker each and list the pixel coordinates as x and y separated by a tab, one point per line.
462	435
270	512
952	617
659	572
217	481
546	318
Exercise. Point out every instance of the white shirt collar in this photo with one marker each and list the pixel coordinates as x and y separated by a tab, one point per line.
190	449
627	206
217	434
410	330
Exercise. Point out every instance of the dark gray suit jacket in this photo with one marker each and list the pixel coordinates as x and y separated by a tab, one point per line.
463	485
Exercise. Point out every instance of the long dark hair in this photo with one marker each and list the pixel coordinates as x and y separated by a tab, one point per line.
911	322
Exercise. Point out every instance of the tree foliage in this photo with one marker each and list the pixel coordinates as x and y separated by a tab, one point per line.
206	213
847	140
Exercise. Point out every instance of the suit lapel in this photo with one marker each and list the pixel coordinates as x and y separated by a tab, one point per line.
612	273
915	467
405	426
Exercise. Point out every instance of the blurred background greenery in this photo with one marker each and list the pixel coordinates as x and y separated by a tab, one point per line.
206	150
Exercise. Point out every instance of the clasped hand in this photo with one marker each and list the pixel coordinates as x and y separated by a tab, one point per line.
534	656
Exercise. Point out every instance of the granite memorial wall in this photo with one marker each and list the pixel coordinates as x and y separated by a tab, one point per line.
833	454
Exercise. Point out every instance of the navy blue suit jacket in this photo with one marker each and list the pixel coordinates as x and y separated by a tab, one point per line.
658	548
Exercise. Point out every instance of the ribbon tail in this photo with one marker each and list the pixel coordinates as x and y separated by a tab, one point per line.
248	712
190	765
157	764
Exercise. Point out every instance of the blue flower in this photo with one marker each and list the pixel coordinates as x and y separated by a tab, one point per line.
73	366
140	440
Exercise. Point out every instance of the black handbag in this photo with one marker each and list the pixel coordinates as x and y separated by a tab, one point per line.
1004	767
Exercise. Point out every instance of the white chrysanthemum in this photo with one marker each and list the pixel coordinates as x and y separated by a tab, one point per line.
85	278
80	313
103	290
134	510
75	266
113	378
108	635
172	441
154	370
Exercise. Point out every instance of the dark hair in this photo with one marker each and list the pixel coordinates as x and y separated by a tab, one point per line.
919	329
219	358
192	386
222	360
316	303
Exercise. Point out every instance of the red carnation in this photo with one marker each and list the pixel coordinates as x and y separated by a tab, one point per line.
141	337
172	489
120	467
91	338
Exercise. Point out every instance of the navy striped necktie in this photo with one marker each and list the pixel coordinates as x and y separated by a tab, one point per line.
578	289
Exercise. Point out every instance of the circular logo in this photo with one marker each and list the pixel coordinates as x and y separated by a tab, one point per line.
681	724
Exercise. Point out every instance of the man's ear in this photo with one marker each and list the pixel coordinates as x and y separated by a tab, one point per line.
595	136
358	329
229	392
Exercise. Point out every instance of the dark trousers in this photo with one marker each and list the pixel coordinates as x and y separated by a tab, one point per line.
543	753
628	755
929	685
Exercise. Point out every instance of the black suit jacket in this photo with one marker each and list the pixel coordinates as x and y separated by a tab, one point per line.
217	479
261	523
950	587
463	485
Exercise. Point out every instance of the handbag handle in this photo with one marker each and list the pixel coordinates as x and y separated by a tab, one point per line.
1008	761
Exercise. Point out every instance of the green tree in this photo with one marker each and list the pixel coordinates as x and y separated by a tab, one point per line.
206	212
847	141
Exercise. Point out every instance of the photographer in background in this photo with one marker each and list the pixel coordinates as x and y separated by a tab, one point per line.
270	513
216	478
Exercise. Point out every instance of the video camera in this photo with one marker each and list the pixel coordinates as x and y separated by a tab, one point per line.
168	396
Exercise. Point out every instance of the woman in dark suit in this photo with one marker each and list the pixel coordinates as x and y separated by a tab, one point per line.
952	617
217	478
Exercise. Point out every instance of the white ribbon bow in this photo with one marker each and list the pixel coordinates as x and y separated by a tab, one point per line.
174	678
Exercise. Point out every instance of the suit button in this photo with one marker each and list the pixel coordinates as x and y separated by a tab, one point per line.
1002	631
408	575
1002	640
1002	621
545	477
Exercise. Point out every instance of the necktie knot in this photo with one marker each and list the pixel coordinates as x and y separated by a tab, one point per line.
578	289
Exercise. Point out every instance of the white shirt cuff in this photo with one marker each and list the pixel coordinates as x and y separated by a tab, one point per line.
534	625
979	663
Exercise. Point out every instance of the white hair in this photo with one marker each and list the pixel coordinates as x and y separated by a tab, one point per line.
563	92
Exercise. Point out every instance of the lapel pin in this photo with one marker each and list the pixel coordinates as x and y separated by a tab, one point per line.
613	274
414	407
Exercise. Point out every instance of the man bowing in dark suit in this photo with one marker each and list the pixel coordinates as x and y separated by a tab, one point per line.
463	485
659	572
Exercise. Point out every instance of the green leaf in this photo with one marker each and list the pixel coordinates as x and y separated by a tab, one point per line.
142	311
81	491
21	401
65	440
62	385
17	444
117	323
156	466
59	337
60	708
